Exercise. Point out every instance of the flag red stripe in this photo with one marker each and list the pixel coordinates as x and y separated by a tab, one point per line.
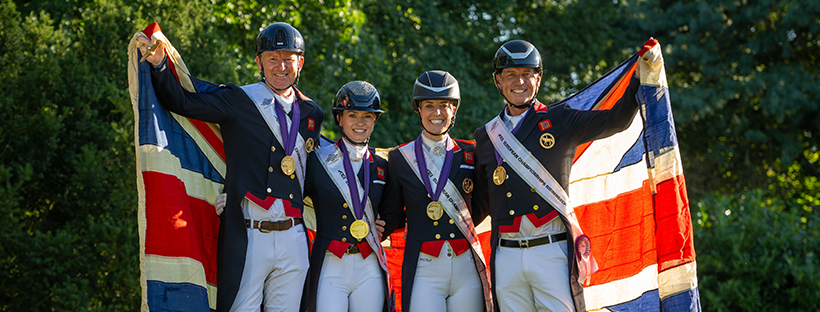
623	240
170	212
209	135
674	234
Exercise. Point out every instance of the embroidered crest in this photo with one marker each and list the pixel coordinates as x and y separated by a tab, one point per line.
468	158
380	172
545	124
311	124
332	158
266	102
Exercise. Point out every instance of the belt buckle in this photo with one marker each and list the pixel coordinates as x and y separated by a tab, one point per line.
260	226
523	243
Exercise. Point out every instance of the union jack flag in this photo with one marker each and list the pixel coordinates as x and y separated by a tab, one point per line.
180	170
629	194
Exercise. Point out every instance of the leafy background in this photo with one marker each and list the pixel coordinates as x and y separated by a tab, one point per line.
744	87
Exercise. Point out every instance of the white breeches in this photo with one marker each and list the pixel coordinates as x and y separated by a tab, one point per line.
276	264
446	283
350	284
533	279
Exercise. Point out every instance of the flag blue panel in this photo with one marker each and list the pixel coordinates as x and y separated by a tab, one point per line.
158	127
649	301
176	297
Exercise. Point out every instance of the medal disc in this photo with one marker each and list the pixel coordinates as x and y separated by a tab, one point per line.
435	210
288	165
359	229
499	175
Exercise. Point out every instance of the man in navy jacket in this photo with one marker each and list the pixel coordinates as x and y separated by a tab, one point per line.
268	129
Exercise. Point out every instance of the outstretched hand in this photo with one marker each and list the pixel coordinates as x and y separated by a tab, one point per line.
154	52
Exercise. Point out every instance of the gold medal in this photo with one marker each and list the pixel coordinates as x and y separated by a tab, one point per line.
359	229
499	175
467	185
434	210
547	140
309	145
288	165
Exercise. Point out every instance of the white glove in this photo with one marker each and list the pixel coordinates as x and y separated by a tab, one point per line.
220	202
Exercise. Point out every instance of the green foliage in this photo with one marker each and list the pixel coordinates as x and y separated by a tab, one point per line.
745	83
755	254
68	223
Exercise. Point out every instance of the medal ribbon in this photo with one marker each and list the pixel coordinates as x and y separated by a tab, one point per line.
288	137
514	131
358	204
445	170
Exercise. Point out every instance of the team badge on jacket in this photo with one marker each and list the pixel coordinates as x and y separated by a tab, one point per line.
467	185
547	140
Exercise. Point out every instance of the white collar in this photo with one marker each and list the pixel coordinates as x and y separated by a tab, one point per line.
287	102
355	152
512	121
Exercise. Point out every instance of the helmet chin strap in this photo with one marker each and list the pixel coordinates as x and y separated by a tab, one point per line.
452	123
295	81
522	106
349	140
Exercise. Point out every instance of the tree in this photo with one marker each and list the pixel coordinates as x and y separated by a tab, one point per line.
745	82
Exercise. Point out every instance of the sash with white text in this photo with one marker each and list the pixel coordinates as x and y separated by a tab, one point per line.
457	209
262	96
531	171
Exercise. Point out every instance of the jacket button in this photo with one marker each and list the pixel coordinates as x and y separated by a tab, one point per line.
344	205
512	212
452	235
269	190
532	190
535	207
344	239
452	222
344	217
291	196
344	227
509	194
270	169
438	236
273	148
292	176
435	223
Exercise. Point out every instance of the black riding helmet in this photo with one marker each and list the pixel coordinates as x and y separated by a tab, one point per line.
517	53
280	37
436	85
356	95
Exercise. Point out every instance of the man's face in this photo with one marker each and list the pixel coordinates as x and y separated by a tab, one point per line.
518	84
280	68
436	115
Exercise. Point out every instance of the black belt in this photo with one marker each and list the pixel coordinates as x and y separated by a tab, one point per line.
353	249
549	239
266	226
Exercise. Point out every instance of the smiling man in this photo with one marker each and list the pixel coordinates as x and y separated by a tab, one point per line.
268	128
524	159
